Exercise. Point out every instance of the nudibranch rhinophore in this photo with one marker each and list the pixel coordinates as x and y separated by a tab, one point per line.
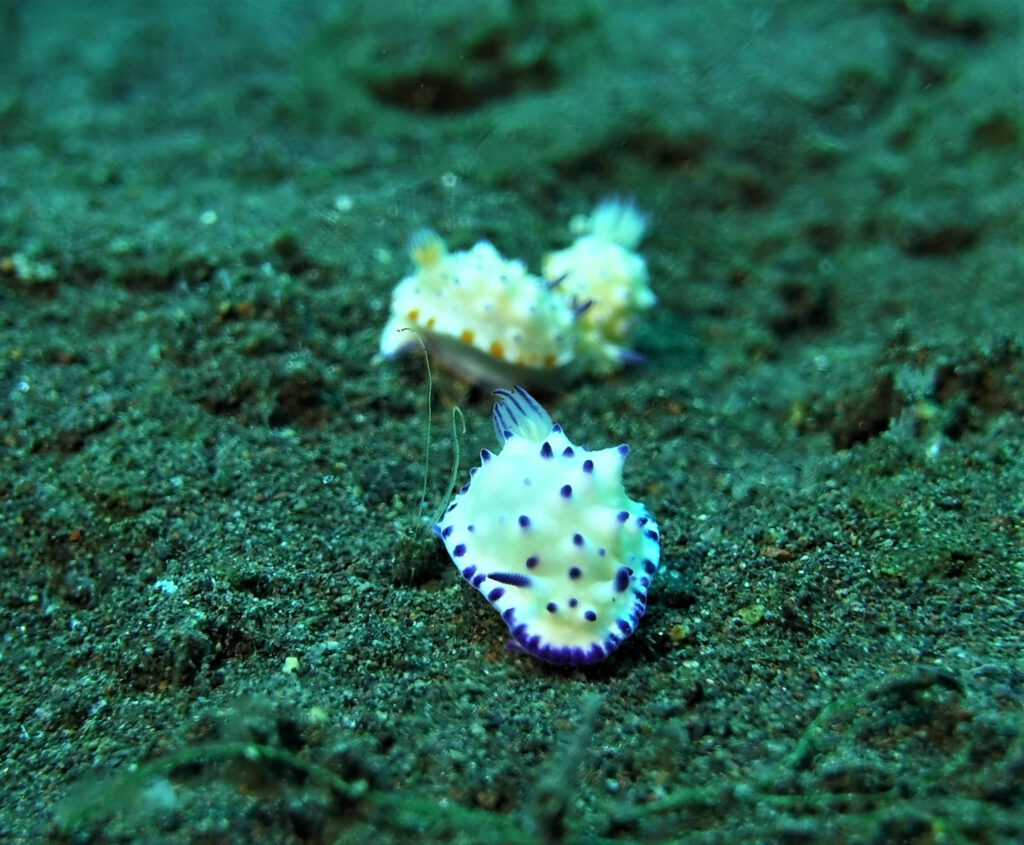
545	531
482	315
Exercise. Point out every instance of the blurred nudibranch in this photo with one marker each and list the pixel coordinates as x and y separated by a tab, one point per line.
603	268
482	315
493	322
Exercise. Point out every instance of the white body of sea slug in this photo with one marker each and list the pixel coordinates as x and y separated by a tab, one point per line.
546	532
482	315
603	268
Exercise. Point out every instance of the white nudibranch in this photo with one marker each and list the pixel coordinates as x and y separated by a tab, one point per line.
545	531
483	315
493	322
603	268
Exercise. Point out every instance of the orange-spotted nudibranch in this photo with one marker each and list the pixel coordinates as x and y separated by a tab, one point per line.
482	315
493	322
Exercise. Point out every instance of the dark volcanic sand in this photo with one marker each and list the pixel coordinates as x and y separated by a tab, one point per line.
224	620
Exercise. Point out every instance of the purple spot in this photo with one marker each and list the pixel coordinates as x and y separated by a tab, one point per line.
513	579
566	491
622	516
625	627
575	572
532	561
622	579
651	535
601	552
623	450
471	527
524	521
464	488
568	452
649	566
478	580
545	450
447	532
469	572
642	520
509	615
588	465
590	616
556	429
495	594
486	455
459	550
573	602
552	607
577	539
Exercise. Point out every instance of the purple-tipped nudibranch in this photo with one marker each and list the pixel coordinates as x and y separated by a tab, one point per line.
545	531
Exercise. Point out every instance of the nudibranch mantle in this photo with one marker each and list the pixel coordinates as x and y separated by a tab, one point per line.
545	531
